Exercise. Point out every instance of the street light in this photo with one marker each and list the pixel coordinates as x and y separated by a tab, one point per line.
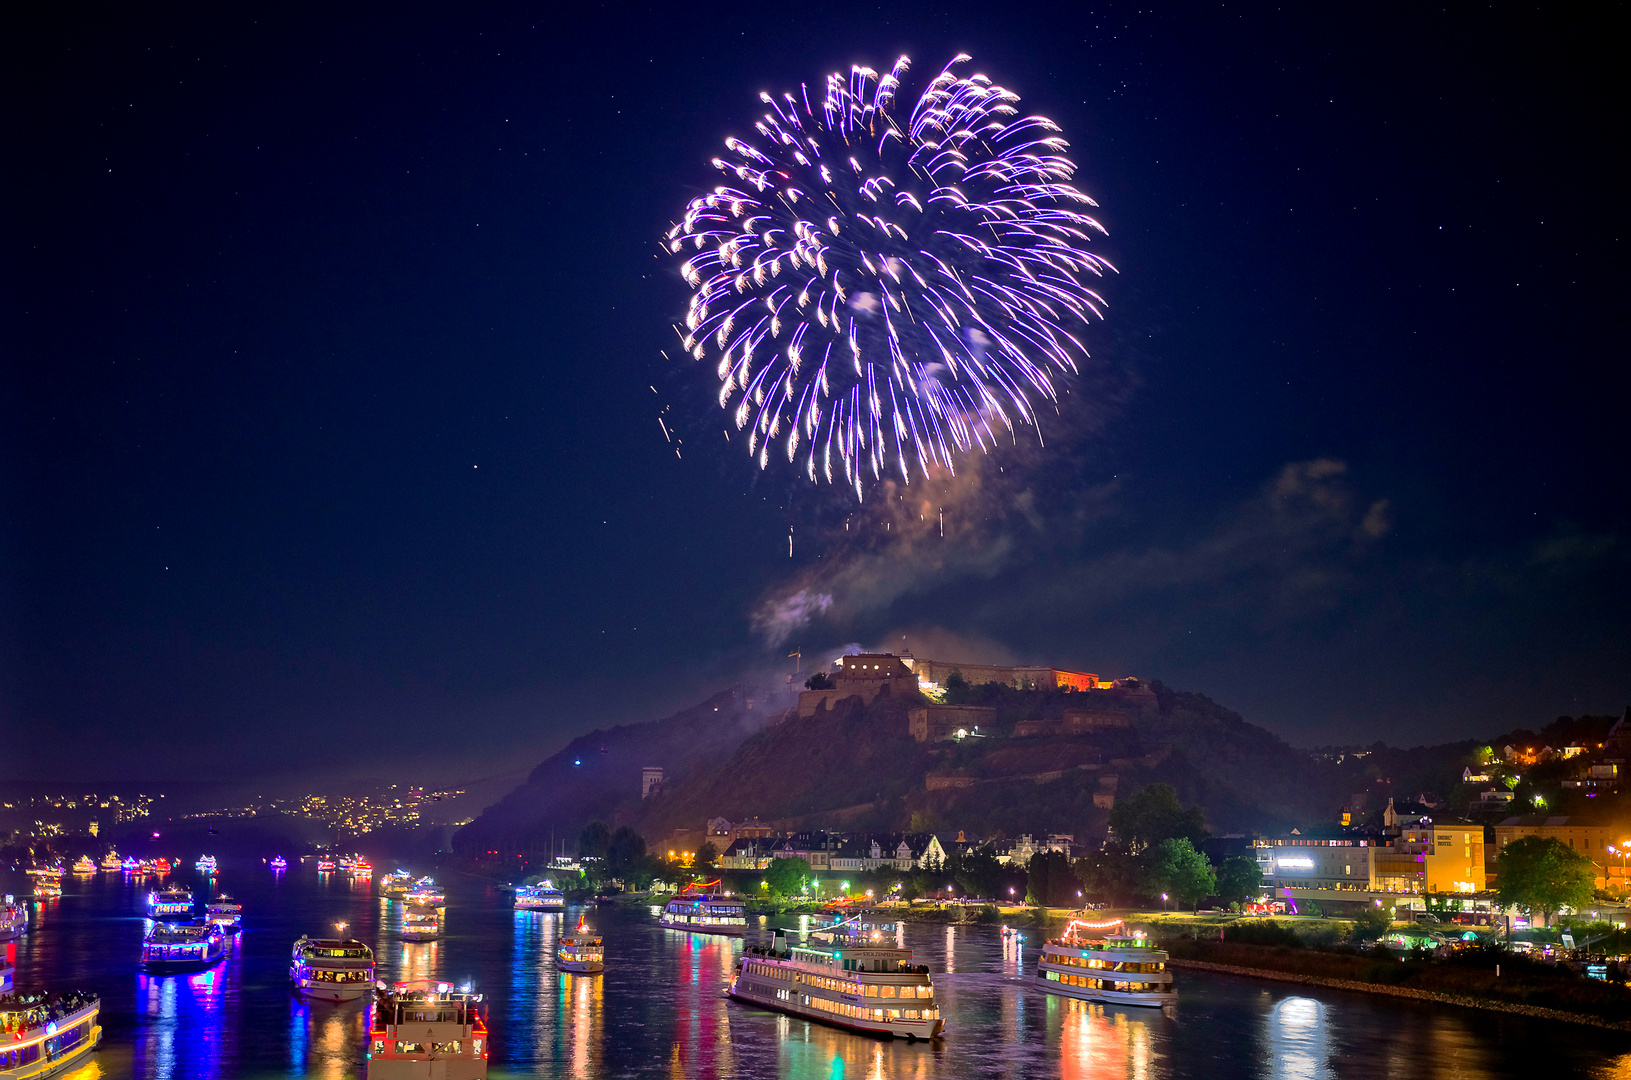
1163	901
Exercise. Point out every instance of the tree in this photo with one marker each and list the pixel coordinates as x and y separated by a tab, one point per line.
1182	872
594	840
1153	815
1113	875
707	856
1540	874
1372	923
955	680
819	681
1050	882
787	876
625	854
979	874
1239	879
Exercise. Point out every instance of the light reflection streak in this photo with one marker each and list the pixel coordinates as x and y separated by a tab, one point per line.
1297	1039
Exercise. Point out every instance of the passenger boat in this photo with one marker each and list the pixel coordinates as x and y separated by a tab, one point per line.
850	975
396	883
426	1029
278	863
44	1034
582	951
1117	969
540	897
362	868
13	919
130	866
325	864
425	894
84	865
111	861
421	923
705	911
332	969
225	912
162	866
171	947
47	887
205	864
171	902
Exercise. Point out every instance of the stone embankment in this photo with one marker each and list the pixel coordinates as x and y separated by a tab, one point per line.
1438	997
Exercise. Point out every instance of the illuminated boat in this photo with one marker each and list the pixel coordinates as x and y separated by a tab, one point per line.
13	919
111	861
425	893
331	969
362	868
130	866
345	862
325	864
540	897
84	865
851	975
174	947
1117	969
396	883
278	863
171	902
421	922
225	912
425	1029
582	951
162	866
47	887
701	910
43	1034
205	865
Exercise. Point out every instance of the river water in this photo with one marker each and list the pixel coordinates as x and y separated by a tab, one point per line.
658	1010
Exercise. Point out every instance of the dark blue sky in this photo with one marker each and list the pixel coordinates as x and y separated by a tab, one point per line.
332	376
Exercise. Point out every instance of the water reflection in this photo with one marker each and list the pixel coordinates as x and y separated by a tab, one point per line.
1096	1043
1297	1039
324	1037
581	1002
186	1030
702	1035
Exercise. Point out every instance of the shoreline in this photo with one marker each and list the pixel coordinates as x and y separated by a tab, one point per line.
1534	1012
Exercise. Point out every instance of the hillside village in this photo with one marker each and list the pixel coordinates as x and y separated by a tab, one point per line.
892	764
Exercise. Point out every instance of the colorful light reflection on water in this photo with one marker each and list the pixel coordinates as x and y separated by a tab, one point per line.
659	1011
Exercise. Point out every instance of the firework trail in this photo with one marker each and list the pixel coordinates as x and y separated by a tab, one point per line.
885	291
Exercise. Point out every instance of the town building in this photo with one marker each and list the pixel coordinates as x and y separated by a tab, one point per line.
937	723
651	781
862	675
1591	840
933	674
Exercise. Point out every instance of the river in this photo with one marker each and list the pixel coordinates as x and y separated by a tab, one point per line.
658	1010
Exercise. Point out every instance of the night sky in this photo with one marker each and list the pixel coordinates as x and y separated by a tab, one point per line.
332	378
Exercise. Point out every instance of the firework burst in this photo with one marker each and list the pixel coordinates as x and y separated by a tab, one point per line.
883	291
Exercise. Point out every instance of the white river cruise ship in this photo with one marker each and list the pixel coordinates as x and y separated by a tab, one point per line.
331	969
702	911
427	1031
1117	969
851	975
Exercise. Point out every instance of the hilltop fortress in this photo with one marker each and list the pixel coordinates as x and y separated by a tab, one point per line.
869	675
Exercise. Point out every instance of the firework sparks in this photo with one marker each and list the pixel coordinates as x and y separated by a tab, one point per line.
884	291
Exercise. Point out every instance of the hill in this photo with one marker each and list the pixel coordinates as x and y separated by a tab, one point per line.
856	767
597	776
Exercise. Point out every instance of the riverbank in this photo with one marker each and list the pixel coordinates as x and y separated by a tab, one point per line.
1516	986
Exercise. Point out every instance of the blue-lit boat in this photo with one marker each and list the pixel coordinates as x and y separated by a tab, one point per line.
172	902
540	897
205	864
43	1034
174	947
279	863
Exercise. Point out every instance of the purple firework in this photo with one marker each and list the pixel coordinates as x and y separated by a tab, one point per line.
881	290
